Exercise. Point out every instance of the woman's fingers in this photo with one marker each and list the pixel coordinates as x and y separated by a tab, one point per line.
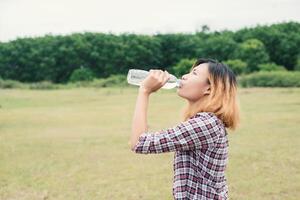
155	73
152	72
167	76
161	76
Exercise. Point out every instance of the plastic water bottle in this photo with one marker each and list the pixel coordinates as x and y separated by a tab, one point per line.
136	76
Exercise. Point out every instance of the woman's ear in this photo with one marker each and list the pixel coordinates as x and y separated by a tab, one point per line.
207	91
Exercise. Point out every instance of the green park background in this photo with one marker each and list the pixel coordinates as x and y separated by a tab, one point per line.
66	111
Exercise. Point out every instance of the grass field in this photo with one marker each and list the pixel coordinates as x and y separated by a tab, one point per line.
73	144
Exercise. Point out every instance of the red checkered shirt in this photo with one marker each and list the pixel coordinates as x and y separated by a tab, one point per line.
201	154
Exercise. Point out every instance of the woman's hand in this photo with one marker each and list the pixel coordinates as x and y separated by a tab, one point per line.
154	81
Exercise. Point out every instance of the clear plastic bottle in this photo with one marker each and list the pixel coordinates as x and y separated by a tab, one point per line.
136	76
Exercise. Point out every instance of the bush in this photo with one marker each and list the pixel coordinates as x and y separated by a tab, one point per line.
113	80
43	85
8	84
271	67
297	67
12	84
82	74
238	66
270	79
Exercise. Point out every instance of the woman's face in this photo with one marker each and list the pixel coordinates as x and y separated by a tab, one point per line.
194	85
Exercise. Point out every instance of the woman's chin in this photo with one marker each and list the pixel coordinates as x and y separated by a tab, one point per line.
178	91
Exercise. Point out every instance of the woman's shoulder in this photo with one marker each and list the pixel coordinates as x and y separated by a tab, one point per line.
211	119
207	116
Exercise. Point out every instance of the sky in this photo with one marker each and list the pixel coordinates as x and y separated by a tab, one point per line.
32	18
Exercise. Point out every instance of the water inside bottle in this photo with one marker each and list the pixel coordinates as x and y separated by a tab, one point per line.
134	79
136	76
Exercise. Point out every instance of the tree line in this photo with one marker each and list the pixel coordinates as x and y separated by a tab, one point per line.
55	58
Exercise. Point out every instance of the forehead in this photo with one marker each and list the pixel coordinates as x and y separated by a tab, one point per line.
201	67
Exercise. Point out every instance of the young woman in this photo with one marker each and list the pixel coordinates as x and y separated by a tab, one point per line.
200	142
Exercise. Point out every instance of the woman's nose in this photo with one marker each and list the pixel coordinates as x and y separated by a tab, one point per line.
183	77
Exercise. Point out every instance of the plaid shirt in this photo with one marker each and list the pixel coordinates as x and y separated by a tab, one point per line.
201	154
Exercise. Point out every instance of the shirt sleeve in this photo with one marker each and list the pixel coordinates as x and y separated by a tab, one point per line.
200	132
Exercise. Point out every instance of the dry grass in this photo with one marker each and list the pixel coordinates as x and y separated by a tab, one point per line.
73	144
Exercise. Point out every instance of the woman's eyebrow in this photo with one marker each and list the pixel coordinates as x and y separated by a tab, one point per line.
193	69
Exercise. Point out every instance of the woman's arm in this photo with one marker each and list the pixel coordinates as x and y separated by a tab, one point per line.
199	132
139	122
154	81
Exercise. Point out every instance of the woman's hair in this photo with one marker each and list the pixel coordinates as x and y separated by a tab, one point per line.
222	100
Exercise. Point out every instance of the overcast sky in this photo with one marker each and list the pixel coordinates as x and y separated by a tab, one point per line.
21	18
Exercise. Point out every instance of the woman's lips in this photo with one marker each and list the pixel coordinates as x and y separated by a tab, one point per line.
180	84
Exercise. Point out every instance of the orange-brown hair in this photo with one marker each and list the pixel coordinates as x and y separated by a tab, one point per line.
222	100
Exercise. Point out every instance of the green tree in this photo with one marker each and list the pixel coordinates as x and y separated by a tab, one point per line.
54	58
281	40
219	45
253	52
182	67
175	47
